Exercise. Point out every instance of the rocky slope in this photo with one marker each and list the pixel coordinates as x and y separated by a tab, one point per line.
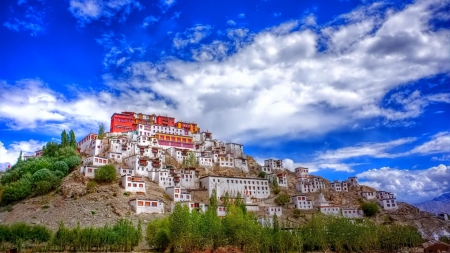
437	205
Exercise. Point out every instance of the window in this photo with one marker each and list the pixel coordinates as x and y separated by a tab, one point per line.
140	203
141	185
147	203
154	204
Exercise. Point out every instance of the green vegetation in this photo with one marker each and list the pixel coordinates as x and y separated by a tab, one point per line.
370	209
262	174
282	199
276	187
40	175
297	213
191	160
17	234
105	174
101	131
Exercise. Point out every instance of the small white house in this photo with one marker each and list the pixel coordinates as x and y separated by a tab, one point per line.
125	171
146	206
274	210
178	194
95	161
339	186
302	202
88	171
387	200
133	184
368	195
351	212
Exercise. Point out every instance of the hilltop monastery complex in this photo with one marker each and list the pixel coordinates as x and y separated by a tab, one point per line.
138	146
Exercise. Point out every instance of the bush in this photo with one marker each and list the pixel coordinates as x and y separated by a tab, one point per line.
105	174
16	191
42	175
262	174
282	199
370	209
43	187
91	185
61	166
297	213
72	162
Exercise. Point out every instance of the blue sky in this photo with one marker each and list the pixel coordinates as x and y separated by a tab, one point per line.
342	87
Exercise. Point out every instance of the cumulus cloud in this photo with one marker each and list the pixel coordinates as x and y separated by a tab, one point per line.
8	156
231	22
439	144
412	186
85	11
280	80
164	5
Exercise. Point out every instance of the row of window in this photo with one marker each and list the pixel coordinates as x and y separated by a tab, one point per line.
148	203
240	181
135	185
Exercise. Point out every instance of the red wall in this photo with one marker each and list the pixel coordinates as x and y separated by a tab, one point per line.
122	122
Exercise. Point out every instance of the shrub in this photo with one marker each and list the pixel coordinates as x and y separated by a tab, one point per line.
282	199
16	191
297	213
43	187
42	175
91	185
105	174
370	209
61	166
262	174
72	162
276	191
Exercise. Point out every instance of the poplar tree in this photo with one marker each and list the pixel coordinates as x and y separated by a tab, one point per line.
73	140
64	139
101	131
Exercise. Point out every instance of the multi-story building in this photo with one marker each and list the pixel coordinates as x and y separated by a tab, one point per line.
306	183
302	202
133	183
368	194
272	164
281	179
247	187
122	122
86	141
386	200
178	194
95	161
339	186
147	206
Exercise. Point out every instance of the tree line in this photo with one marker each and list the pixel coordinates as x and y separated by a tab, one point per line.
39	175
189	231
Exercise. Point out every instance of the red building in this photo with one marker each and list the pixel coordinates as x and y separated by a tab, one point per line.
122	122
165	121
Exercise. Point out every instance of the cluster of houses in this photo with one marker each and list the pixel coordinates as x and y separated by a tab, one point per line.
138	145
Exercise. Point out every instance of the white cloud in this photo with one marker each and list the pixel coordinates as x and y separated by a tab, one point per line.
439	144
150	20
412	186
118	50
27	17
241	15
164	5
8	156
277	14
85	11
192	35
231	22
277	78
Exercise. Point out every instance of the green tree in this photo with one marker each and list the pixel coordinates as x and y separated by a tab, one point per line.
101	131
72	139
179	226
262	174
50	149
72	162
16	191
191	160
370	208
61	166
64	139
282	199
19	159
157	234
105	174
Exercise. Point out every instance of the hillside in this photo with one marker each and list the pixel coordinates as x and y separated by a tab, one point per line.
437	205
105	204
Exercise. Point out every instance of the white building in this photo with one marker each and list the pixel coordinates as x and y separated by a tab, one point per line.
205	161
247	187
125	171
306	183
86	142
114	156
266	222
133	184
271	210
368	194
339	186
281	179
88	171
188	178
197	206
162	177
272	164
387	200
95	161
351	212
352	181
178	194
147	206
302	202
326	208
